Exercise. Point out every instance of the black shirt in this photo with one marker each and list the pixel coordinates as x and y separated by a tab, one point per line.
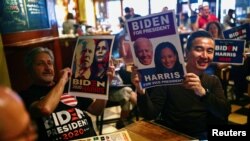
68	121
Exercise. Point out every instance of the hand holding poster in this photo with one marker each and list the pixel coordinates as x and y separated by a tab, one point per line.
229	51
156	49
89	65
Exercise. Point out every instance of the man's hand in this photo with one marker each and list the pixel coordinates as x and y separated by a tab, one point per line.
111	70
135	79
192	81
65	74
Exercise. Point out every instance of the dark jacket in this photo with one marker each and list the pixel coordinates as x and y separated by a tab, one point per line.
181	109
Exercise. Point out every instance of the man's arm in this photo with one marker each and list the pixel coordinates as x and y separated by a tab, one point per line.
47	104
150	101
215	99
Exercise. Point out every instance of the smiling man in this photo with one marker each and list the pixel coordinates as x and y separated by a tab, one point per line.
57	113
192	106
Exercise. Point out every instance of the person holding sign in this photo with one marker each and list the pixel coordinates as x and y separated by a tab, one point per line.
58	115
199	101
144	50
166	58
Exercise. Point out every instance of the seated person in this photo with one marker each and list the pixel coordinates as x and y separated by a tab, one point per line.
192	106
54	111
124	95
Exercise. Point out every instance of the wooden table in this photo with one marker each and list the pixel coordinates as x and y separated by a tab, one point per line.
149	131
142	131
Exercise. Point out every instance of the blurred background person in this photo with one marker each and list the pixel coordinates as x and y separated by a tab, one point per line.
133	14
229	20
206	17
184	23
215	29
195	17
125	51
15	122
245	20
127	16
69	24
165	8
121	90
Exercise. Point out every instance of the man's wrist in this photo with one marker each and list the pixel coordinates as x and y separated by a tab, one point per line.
140	91
204	93
63	81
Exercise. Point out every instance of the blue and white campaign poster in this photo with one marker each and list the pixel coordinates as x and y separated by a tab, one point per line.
229	51
239	32
156	49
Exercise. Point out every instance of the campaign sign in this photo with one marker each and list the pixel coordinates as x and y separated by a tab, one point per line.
239	32
229	51
90	63
152	39
152	26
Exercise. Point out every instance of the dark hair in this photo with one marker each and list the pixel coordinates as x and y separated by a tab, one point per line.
106	57
127	10
70	16
197	34
230	11
157	59
218	25
30	56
